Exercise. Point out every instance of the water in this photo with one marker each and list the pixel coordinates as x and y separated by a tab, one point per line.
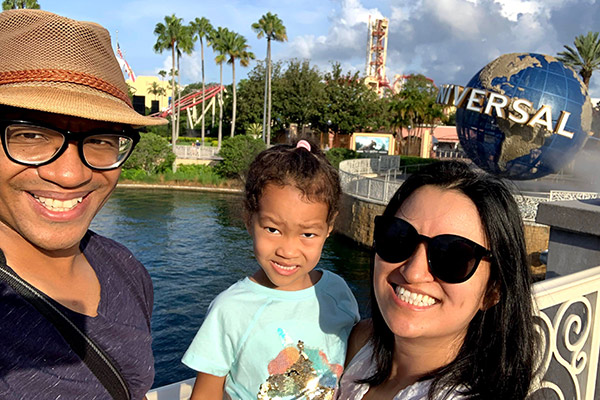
195	245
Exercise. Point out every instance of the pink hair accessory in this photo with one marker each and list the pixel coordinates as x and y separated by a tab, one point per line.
303	143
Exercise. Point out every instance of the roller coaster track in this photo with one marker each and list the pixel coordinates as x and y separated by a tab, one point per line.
193	99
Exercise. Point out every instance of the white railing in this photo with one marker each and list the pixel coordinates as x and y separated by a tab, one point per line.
195	152
569	324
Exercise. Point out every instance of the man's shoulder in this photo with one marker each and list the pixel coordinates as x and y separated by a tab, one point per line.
99	242
110	256
96	246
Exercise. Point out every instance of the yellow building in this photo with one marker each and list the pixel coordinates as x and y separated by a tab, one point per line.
142	85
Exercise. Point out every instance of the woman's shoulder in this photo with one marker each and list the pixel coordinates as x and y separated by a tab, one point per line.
359	337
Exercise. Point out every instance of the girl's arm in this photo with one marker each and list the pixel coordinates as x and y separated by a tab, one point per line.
208	387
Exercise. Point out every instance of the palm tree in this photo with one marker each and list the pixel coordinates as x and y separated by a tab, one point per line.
162	73
216	42
156	90
585	57
13	4
201	28
235	47
185	44
168	35
271	27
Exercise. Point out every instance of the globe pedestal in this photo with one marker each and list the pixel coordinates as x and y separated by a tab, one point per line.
574	243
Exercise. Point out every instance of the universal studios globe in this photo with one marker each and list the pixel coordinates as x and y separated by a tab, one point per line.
523	116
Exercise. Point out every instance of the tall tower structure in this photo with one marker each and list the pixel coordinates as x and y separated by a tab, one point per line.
377	40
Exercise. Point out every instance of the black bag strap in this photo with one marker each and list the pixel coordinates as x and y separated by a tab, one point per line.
93	356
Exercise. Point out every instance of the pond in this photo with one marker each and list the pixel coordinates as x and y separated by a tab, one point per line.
195	245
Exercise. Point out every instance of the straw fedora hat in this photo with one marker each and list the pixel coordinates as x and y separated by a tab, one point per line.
58	65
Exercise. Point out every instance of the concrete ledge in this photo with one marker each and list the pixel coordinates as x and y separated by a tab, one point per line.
574	215
574	243
178	187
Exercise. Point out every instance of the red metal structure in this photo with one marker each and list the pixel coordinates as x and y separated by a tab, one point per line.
376	55
193	99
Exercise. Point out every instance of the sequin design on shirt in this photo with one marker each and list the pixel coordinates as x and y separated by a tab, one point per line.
299	373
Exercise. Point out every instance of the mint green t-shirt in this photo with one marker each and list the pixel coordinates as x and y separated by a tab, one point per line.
276	344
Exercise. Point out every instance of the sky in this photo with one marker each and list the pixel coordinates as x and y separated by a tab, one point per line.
446	40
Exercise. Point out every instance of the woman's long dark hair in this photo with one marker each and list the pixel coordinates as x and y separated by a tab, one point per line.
496	360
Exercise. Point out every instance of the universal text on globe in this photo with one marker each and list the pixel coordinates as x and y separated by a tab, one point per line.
514	109
522	116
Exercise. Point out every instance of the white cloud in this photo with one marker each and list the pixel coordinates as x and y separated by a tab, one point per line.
462	25
345	40
511	9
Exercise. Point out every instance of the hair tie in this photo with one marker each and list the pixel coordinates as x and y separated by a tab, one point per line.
303	143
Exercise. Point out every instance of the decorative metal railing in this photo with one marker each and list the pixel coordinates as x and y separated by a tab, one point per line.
195	152
569	325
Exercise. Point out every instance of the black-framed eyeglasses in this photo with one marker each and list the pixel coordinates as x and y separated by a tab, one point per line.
33	144
451	258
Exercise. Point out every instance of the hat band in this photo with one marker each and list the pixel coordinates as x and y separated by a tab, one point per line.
64	76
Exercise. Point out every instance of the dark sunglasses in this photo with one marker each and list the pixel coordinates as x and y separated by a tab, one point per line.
451	258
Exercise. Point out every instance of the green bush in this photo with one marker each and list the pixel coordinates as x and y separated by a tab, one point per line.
138	175
336	155
152	154
160	130
238	152
202	174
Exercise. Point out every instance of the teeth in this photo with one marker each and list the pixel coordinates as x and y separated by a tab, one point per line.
58	205
285	267
420	300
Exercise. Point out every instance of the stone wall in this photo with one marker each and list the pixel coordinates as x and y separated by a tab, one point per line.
356	219
356	216
536	239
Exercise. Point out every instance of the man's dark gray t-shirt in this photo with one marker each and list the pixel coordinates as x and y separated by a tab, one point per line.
37	363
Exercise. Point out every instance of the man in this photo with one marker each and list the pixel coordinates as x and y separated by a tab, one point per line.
67	128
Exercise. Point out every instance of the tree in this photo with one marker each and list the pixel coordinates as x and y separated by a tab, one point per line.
349	105
216	41
162	73
585	57
415	108
156	90
235	47
185	44
303	97
14	4
271	27
250	96
201	28
237	153
152	154
168	35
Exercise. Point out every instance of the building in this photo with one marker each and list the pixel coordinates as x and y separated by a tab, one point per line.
143	84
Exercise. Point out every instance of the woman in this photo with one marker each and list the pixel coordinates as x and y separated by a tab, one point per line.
451	302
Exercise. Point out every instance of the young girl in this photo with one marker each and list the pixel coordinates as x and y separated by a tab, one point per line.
282	332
